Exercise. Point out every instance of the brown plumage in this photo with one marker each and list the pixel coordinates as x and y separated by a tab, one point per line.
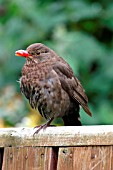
49	84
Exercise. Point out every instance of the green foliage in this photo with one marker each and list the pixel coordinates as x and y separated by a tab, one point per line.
80	31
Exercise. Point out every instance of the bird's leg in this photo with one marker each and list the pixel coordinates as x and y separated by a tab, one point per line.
44	126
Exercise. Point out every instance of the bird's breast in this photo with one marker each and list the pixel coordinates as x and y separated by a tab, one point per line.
44	92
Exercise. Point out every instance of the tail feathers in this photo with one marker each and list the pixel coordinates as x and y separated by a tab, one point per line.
86	109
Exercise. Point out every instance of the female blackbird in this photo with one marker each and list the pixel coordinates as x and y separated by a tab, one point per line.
49	84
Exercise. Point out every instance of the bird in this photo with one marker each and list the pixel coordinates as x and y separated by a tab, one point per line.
49	83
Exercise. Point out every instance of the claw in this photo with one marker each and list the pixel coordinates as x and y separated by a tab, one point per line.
44	126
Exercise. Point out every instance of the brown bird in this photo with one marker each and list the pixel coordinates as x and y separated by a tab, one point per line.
49	84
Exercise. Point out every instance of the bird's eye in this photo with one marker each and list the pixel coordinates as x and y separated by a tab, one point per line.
46	51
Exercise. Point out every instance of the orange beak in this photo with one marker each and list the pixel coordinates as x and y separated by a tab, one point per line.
22	53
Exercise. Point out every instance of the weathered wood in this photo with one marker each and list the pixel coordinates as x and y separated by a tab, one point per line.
85	158
82	158
57	136
65	158
51	158
29	158
102	158
74	158
69	158
57	148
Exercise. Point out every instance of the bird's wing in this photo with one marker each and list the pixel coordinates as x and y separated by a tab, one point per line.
72	85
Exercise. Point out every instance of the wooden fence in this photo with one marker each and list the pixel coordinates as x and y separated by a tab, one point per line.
57	148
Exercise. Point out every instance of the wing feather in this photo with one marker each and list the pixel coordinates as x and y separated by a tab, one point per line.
72	85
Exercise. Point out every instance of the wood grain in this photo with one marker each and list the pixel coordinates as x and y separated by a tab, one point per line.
102	158
57	148
58	136
86	158
74	158
29	158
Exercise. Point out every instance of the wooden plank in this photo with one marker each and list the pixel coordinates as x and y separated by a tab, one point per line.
82	158
65	158
102	158
58	136
71	158
29	158
51	156
85	158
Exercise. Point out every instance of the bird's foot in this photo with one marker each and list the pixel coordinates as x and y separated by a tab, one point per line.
44	126
38	128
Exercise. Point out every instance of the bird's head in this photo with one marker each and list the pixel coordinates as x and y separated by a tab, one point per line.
35	51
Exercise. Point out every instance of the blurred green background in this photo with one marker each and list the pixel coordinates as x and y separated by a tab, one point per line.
81	31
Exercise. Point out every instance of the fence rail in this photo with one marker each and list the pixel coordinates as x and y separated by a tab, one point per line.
57	148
